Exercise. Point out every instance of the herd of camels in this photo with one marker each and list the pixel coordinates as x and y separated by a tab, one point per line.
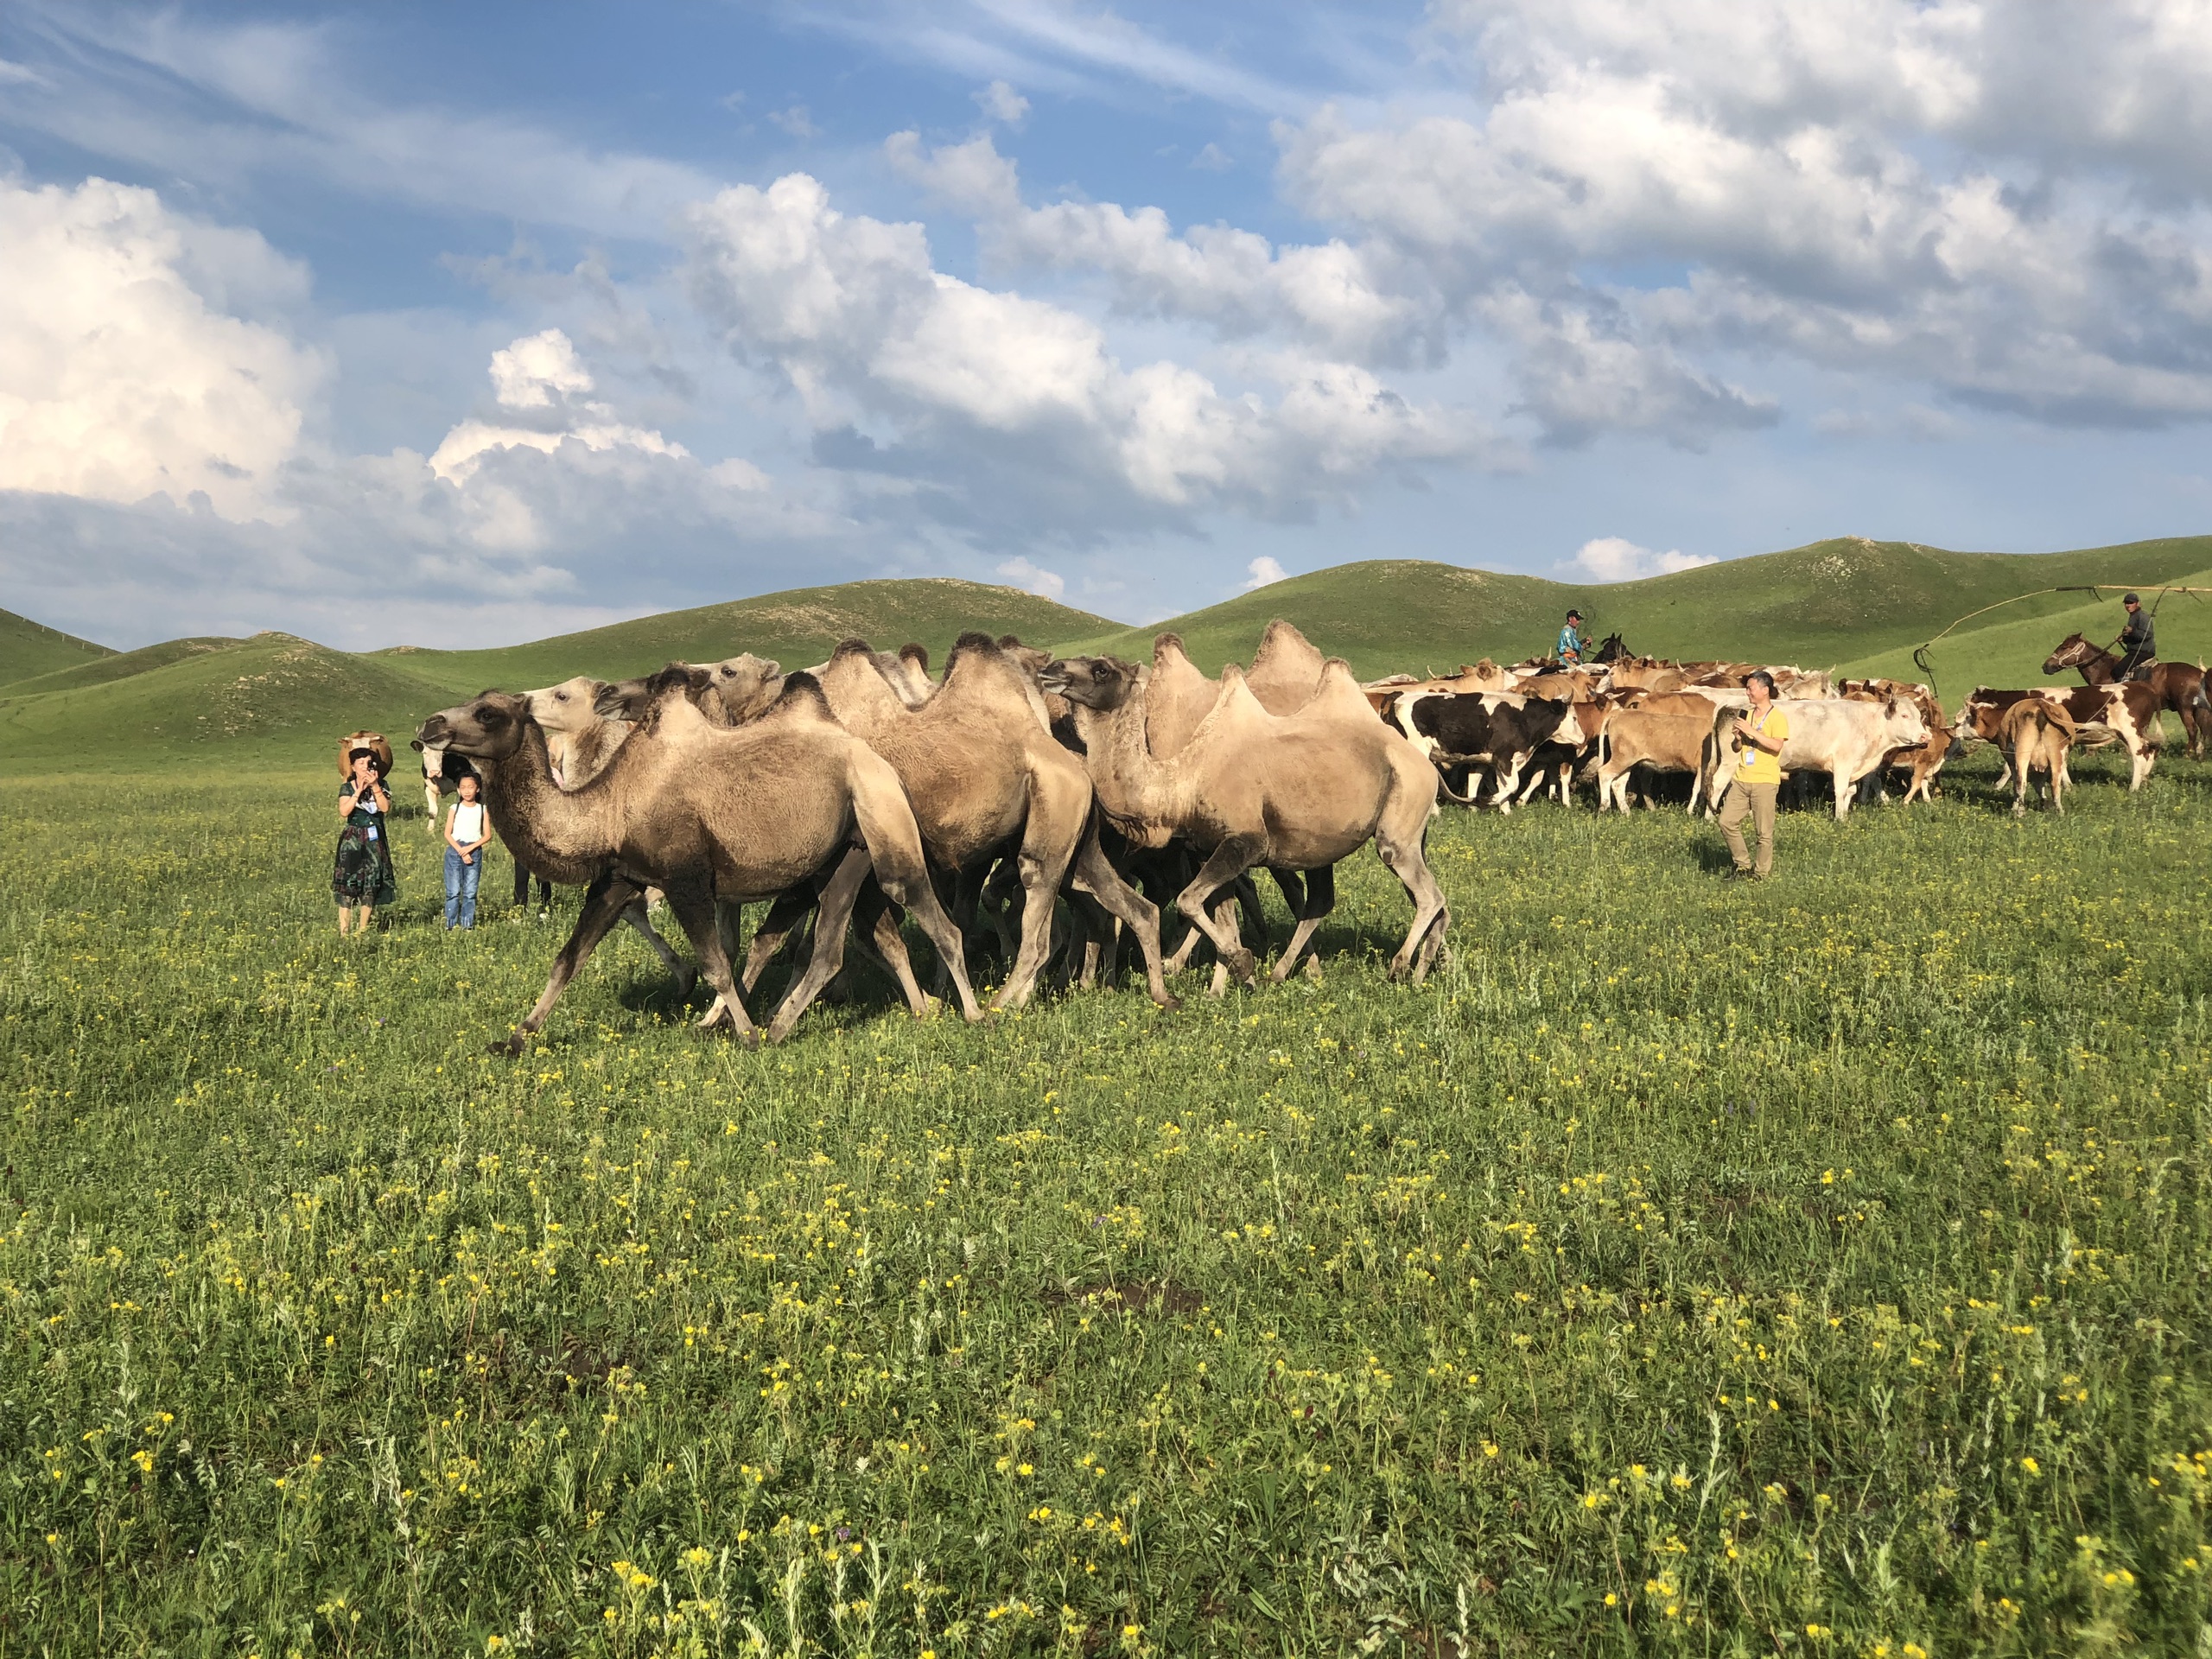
1021	802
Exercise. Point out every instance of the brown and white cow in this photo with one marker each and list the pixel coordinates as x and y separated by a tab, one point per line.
2102	715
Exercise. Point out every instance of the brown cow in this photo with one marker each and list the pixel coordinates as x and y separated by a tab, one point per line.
1633	738
2102	715
2037	735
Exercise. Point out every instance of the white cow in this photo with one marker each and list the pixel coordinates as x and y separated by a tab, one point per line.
1848	741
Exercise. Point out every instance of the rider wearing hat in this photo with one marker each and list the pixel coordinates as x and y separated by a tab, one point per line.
1570	647
2137	644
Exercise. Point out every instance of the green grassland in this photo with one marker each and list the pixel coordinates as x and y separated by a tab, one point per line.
278	700
28	648
1819	1268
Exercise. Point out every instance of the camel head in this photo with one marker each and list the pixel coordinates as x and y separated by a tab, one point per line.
746	685
633	700
2070	653
488	727
570	707
1101	683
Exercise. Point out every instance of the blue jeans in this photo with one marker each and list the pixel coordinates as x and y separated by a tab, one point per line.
460	888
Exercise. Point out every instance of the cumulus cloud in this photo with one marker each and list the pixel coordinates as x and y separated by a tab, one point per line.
1002	104
1047	584
1263	572
2001	200
1615	558
121	375
1330	296
1001	402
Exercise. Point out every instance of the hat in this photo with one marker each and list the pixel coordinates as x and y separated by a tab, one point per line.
2131	600
1575	616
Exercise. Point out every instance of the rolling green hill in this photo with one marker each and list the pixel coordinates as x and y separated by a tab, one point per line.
797	628
1819	606
275	699
29	649
1852	603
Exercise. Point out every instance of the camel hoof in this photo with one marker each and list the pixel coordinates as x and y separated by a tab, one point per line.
509	1048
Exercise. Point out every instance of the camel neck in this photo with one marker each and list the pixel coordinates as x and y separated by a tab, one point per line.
554	833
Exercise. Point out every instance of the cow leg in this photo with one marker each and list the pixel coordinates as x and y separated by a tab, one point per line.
1094	875
832	916
605	900
1840	777
1320	898
1228	860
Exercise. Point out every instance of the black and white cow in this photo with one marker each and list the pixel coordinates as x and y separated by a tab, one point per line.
1496	728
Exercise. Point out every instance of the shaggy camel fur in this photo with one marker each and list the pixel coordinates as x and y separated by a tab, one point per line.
2036	737
579	744
1250	788
706	814
984	774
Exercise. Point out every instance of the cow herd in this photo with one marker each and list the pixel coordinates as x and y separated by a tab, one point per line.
1501	735
1038	814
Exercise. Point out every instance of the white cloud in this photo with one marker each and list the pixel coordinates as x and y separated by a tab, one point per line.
118	377
1212	159
1263	572
1615	558
972	384
1327	296
1047	584
1000	102
796	121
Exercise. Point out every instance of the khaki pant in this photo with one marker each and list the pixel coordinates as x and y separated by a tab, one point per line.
1758	800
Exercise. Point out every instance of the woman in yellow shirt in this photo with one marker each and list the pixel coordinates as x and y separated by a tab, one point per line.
1760	734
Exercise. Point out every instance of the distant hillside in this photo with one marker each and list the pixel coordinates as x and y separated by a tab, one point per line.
1819	605
28	648
797	628
278	700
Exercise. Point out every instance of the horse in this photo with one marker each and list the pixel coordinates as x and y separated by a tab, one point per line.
2179	686
1611	649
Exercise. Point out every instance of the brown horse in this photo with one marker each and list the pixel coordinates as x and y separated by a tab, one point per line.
2179	686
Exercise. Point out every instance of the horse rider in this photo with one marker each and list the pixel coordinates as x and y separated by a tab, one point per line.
2139	645
1570	649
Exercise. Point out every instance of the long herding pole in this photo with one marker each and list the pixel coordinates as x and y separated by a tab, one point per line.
1920	651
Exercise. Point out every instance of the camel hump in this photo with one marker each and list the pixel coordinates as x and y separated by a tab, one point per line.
917	655
802	697
973	640
851	647
1010	642
1282	635
1164	644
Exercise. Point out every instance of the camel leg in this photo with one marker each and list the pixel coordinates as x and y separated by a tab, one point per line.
1404	855
1096	876
1230	859
1320	898
792	908
831	918
914	891
693	903
1057	823
888	945
685	974
605	900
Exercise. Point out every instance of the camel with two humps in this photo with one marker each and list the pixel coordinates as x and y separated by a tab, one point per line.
707	813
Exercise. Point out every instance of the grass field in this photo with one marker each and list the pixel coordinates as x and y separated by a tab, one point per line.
1819	1268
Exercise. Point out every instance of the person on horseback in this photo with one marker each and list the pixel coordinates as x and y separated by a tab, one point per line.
1570	648
2137	642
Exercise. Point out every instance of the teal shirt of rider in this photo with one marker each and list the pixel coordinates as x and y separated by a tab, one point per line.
1570	648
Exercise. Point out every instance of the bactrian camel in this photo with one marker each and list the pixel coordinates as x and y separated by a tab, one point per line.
1296	792
579	743
987	778
705	813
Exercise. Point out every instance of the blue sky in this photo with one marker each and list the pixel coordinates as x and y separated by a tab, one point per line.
471	324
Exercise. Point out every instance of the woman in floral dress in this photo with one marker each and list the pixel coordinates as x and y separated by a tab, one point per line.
362	878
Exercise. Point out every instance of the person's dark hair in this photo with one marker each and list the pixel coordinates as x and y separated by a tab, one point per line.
1761	674
352	755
